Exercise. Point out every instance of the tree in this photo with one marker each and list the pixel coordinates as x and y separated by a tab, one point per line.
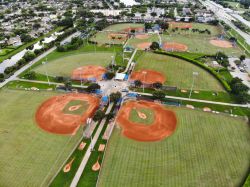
93	87
155	46
138	83
110	75
159	94
30	75
98	115
157	85
243	97
28	56
114	97
68	85
1	77
237	86
242	57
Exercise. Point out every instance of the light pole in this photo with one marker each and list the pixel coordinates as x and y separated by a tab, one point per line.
194	74
44	63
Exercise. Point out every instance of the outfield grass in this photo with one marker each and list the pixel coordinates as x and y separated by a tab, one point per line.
205	150
29	156
65	65
178	72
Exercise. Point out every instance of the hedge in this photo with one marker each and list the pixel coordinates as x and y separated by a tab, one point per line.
200	64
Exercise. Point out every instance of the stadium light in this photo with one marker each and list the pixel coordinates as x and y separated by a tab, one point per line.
44	62
195	74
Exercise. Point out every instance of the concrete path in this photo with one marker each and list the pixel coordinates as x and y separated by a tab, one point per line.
130	61
51	83
88	152
199	100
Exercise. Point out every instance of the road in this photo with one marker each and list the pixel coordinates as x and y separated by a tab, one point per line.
221	14
27	66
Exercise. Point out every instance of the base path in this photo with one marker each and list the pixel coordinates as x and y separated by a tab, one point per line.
221	43
88	152
164	123
88	72
147	76
56	115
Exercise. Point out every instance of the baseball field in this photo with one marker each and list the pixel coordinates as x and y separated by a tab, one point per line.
64	66
204	149
178	72
115	34
29	156
202	42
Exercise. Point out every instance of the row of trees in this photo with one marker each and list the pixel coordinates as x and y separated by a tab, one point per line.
73	45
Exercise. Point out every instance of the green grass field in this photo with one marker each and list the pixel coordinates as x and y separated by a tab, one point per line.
64	65
178	72
29	156
205	150
199	43
134	117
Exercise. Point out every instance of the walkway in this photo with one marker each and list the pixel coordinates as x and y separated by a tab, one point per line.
88	152
130	61
198	100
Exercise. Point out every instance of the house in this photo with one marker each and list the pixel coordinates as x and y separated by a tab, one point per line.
15	41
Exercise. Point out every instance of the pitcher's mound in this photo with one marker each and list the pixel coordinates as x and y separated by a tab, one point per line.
221	43
163	126
88	72
55	114
148	76
173	46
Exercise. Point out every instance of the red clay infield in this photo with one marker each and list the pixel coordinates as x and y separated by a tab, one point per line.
51	117
221	43
180	25
137	29
144	45
163	126
173	46
148	76
87	72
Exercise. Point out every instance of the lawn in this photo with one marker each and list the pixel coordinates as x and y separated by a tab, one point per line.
29	156
178	72
5	51
205	150
134	116
63	66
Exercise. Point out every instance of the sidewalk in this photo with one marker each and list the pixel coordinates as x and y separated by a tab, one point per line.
88	152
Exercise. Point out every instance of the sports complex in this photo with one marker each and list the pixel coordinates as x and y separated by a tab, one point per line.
49	138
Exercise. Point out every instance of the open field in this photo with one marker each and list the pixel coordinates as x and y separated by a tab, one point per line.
29	156
64	66
178	72
200	43
212	151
